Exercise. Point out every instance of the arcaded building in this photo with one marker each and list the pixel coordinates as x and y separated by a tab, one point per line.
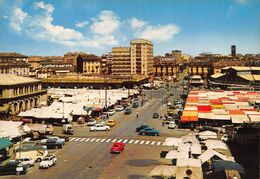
19	93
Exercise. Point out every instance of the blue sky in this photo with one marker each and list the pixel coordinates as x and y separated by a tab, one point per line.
95	26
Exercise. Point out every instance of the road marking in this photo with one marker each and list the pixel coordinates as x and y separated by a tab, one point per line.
102	140
73	138
82	139
125	141
97	140
108	140
87	139
147	142
119	140
92	140
158	143
142	142
77	139
131	141
153	142
136	141
114	140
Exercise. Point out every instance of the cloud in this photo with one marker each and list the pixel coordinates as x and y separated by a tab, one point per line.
17	19
48	7
105	29
106	23
81	24
136	23
159	32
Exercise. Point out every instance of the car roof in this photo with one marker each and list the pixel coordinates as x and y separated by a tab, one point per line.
118	143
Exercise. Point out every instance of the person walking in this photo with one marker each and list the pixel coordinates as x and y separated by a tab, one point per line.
137	115
163	123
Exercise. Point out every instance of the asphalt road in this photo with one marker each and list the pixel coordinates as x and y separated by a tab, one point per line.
88	156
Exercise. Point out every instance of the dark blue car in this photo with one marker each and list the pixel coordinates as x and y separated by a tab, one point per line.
149	131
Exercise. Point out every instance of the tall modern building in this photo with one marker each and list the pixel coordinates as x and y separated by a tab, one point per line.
233	50
141	57
121	61
136	60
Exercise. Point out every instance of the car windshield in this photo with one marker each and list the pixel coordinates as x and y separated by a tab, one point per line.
46	159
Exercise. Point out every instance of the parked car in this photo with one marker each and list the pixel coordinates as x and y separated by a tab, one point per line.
111	123
28	161
141	127
48	161
13	167
54	143
91	122
149	131
128	110
117	147
110	112
171	125
156	115
119	108
60	140
99	127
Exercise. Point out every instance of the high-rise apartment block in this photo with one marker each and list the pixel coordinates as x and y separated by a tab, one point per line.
141	57
136	60
233	50
121	61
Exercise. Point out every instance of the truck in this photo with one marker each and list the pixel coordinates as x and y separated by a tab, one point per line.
37	153
67	129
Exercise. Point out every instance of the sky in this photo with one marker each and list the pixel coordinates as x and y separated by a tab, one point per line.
54	27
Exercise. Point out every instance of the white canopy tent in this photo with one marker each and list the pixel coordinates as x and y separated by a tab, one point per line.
208	135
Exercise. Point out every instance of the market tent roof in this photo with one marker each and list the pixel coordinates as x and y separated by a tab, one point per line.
196	172
190	139
174	154
189	119
4	142
221	117
254	118
188	162
208	135
195	149
204	108
10	129
239	119
227	165
164	170
172	141
216	144
208	154
183	147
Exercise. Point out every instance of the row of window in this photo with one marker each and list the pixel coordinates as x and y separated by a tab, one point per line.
25	89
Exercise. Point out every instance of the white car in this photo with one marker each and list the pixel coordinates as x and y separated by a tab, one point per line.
61	140
26	161
171	125
119	108
48	161
99	127
91	122
110	112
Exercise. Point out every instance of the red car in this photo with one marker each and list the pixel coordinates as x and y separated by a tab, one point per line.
117	147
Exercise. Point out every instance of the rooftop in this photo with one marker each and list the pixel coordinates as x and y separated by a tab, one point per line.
8	79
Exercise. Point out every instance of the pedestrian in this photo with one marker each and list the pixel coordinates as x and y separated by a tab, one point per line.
161	116
163	123
137	115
